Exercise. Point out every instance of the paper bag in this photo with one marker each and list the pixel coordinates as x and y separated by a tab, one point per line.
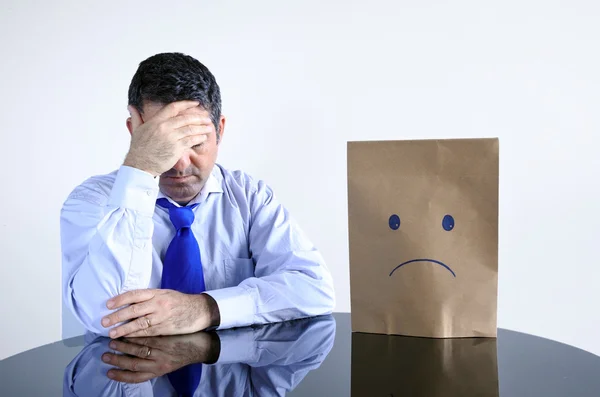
392	365
423	236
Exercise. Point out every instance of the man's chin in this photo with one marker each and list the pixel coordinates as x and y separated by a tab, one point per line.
181	192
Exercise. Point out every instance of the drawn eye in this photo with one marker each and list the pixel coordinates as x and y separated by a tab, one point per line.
448	223
394	222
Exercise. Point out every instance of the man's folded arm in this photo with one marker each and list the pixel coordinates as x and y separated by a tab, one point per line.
106	240
291	279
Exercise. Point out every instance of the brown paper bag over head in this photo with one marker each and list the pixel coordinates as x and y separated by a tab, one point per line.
423	235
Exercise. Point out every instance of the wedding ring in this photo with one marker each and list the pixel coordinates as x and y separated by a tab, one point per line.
148	352
148	321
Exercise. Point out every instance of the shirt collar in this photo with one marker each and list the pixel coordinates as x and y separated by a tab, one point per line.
214	184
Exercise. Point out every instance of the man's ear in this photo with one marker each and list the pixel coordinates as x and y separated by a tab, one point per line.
221	128
129	125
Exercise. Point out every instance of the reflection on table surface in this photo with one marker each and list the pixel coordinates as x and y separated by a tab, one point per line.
268	360
298	358
391	365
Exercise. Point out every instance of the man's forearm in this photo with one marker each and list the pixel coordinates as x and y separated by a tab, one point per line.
107	248
301	290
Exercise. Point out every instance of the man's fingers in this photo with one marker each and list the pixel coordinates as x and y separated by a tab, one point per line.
141	341
129	297
193	140
188	130
136	118
128	313
158	343
129	363
142	324
187	119
173	109
130	377
154	331
133	349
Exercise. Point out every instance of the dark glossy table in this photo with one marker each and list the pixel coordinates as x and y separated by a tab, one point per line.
321	357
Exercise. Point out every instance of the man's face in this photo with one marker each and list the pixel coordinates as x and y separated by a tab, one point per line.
187	177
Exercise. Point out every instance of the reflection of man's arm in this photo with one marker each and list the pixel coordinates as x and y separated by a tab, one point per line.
280	355
86	376
277	344
136	363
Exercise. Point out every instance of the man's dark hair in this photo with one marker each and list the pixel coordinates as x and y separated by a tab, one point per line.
169	77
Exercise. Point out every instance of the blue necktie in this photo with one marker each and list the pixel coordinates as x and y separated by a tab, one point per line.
182	271
182	267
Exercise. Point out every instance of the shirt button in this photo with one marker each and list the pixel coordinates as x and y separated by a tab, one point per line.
148	192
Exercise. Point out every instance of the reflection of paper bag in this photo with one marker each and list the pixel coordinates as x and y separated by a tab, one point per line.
423	231
384	365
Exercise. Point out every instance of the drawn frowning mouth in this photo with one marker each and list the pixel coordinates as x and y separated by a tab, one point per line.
423	260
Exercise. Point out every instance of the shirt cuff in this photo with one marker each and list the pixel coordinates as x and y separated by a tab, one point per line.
236	306
237	346
134	189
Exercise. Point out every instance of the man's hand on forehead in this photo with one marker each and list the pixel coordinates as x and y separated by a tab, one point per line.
158	143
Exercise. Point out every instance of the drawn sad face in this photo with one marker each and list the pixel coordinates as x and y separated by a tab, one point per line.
447	225
423	224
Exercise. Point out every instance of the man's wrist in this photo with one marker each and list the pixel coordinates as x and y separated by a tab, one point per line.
205	347
210	314
131	161
213	310
214	350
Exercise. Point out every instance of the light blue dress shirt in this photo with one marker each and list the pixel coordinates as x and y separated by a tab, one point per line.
270	360
258	264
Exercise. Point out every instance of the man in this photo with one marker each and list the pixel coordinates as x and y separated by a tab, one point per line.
206	248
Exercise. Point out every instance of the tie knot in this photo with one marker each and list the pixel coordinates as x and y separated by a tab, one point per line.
180	216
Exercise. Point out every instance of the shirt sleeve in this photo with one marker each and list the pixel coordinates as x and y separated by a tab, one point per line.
291	278
283	343
86	376
106	242
280	355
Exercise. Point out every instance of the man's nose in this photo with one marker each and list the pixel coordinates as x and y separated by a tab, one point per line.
183	163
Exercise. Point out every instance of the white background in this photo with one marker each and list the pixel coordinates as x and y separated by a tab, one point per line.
298	80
